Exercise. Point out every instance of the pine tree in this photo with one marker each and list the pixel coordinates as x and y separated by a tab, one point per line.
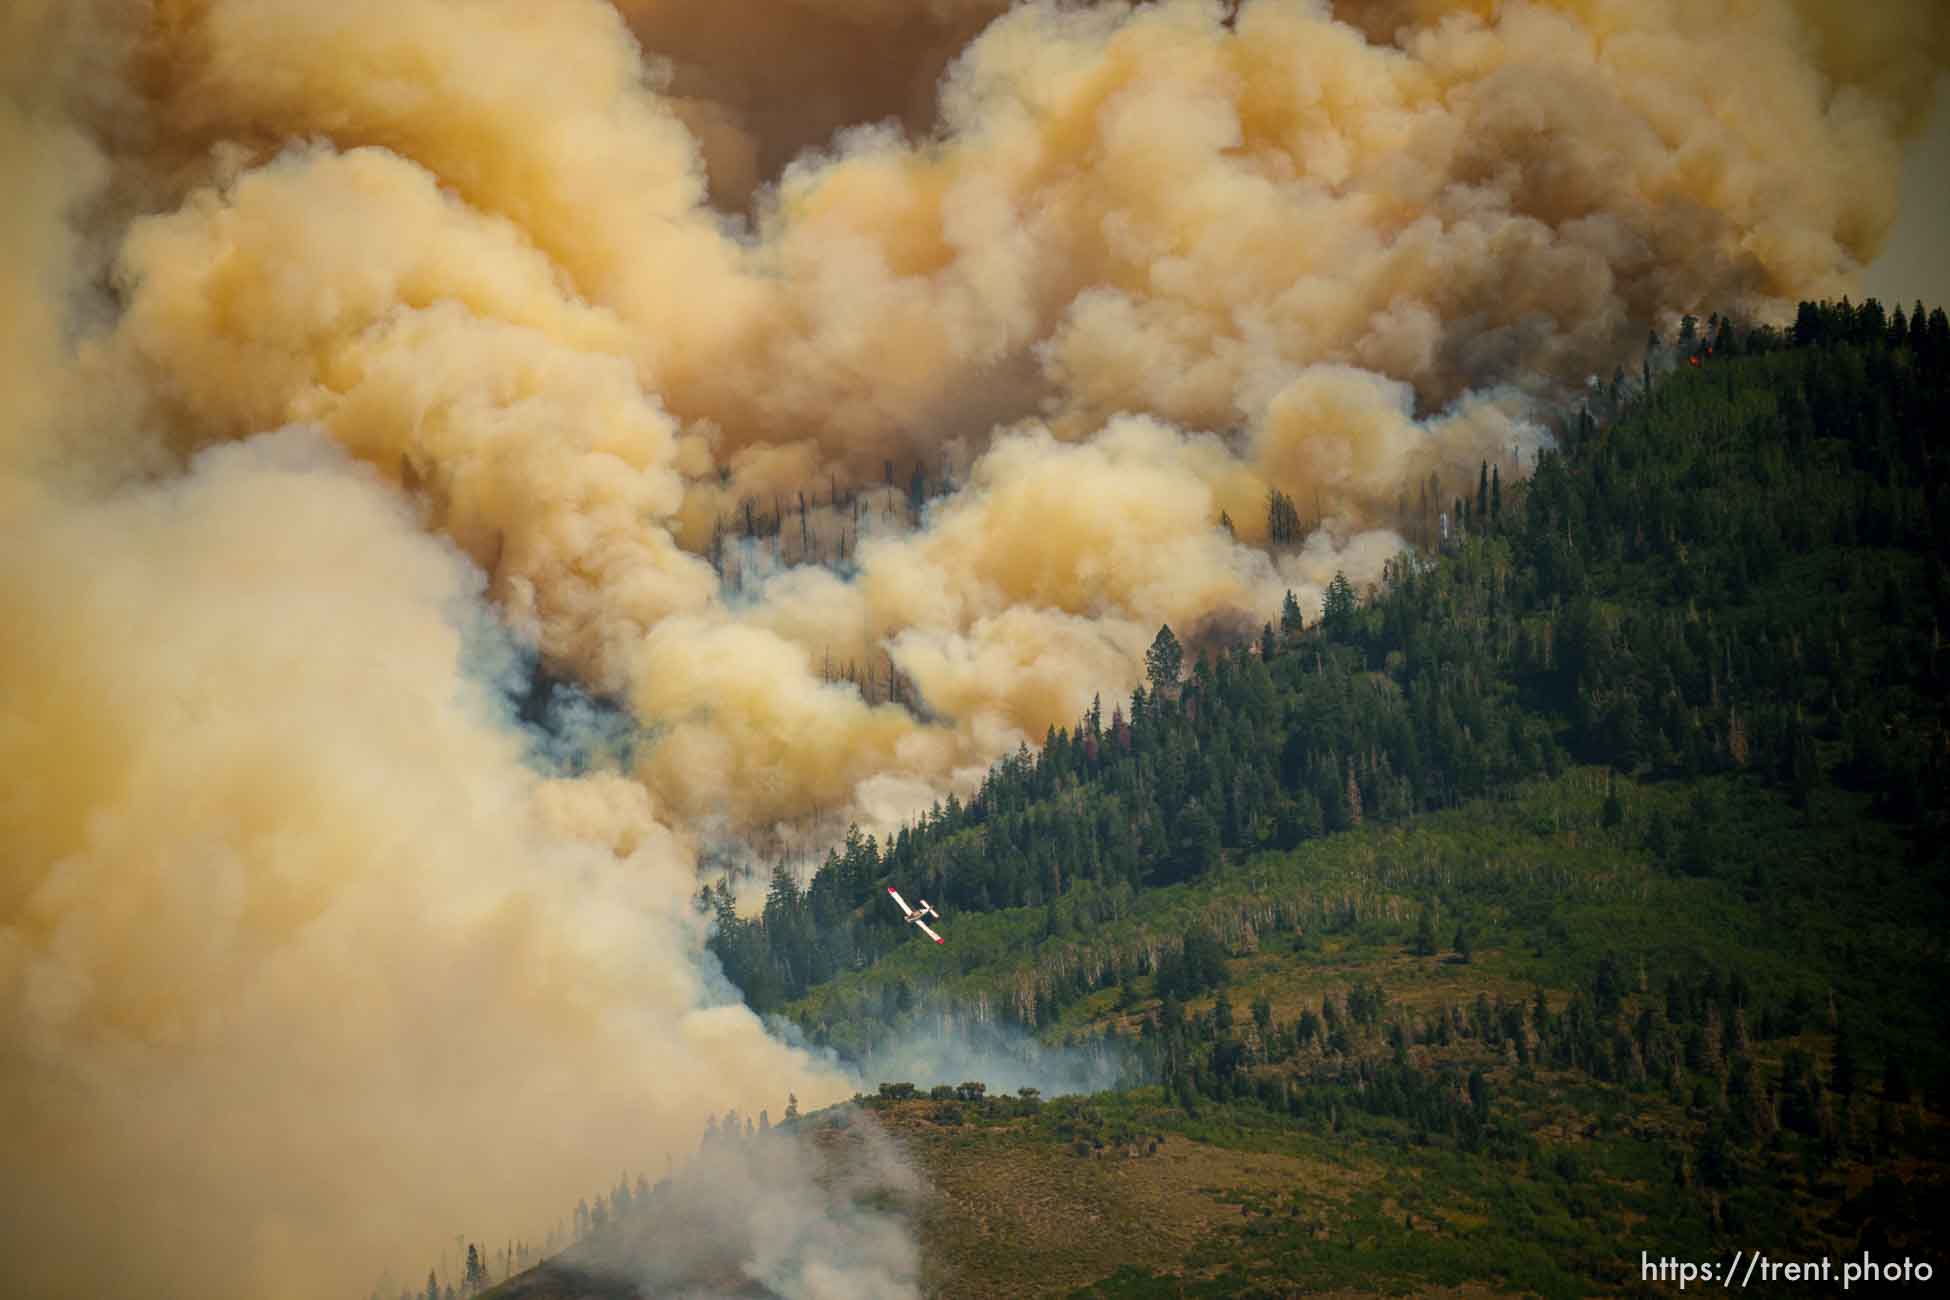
1807	330
1871	323
1425	932
1200	844
1282	518
1723	344
1164	660
1292	621
1337	606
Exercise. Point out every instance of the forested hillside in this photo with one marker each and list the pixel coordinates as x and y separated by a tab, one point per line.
1732	564
1584	882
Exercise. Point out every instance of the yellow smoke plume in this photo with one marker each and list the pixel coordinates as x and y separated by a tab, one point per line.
334	334
300	967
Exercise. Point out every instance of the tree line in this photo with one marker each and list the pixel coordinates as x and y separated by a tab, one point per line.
1734	566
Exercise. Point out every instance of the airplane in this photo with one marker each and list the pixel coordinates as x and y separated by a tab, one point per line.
914	915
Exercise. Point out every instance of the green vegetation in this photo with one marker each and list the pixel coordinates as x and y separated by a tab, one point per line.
1739	575
1580	889
1596	857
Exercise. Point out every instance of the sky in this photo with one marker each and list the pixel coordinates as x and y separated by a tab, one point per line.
1916	261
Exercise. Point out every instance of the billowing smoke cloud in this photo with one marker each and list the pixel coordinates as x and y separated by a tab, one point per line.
341	340
302	967
758	89
820	1213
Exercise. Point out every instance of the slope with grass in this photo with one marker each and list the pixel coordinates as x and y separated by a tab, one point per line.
1582	890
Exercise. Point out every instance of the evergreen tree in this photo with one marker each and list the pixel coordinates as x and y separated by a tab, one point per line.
1337	606
1723	343
1282	518
1164	660
917	491
1425	932
1292	622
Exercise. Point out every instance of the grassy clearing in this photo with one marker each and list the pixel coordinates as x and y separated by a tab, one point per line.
1808	902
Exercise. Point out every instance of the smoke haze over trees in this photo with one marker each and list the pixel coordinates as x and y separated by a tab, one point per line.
1627	611
353	352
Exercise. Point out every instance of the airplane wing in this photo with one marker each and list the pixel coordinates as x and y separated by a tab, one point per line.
902	901
931	934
